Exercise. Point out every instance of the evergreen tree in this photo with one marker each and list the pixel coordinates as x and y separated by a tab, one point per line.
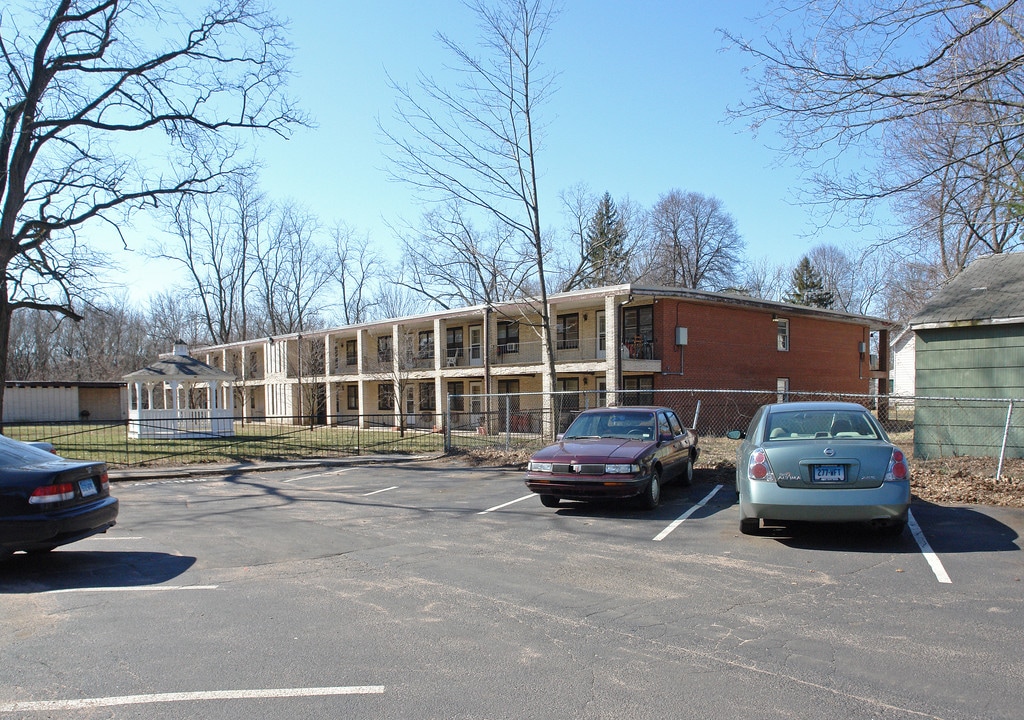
808	288
606	245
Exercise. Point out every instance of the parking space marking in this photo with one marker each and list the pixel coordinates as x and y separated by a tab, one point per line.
682	518
141	588
393	487
316	475
926	550
81	704
504	505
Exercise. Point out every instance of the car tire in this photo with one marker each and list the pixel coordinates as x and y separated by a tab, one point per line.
552	501
750	526
687	476
652	493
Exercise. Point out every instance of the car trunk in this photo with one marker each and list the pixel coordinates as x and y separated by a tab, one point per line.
829	465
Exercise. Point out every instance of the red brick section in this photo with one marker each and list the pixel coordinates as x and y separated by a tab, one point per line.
736	347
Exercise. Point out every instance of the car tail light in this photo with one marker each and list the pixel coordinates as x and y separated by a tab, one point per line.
52	494
759	468
897	470
105	482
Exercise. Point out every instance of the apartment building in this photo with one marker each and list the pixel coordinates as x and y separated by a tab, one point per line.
401	372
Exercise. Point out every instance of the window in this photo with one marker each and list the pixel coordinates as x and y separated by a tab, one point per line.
782	389
427	399
384	349
677	427
568	329
783	330
639	390
453	343
352	392
385	397
638	321
350	352
664	427
425	347
456	403
508	338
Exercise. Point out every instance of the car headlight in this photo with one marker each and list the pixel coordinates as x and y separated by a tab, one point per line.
544	467
621	468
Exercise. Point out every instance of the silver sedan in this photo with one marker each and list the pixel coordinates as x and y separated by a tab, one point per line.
820	462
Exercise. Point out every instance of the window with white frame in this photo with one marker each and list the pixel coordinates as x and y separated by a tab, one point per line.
782	325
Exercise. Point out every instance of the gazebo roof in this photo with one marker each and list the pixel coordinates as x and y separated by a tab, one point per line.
181	367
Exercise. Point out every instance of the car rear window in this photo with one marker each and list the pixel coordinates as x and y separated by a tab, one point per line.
804	425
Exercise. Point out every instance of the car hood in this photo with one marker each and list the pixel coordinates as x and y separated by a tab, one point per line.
595	450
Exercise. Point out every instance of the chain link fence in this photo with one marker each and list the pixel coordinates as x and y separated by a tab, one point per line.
927	427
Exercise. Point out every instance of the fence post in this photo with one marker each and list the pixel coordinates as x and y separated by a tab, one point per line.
448	424
1006	434
508	422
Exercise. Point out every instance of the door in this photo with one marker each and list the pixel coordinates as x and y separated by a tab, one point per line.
476	339
410	407
601	332
476	404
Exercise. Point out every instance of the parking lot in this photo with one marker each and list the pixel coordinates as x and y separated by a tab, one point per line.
418	591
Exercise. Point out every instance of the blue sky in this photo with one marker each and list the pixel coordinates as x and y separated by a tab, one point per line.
639	110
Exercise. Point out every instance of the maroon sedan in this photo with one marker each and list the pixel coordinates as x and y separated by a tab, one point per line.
615	453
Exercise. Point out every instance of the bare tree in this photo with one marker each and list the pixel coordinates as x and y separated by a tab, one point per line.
699	240
927	94
452	263
76	77
477	144
294	270
359	268
214	237
766	279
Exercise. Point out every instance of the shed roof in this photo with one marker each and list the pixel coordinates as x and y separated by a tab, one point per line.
183	368
988	291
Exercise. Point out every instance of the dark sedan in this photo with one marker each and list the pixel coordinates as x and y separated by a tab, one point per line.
47	501
615	453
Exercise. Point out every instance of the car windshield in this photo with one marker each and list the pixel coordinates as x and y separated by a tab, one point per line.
633	425
804	425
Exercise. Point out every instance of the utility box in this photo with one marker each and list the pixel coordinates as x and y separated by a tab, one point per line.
681	336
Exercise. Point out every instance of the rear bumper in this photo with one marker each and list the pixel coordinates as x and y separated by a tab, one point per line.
769	501
595	487
33	532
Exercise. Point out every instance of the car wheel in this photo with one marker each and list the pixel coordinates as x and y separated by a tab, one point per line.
750	526
688	472
652	494
550	500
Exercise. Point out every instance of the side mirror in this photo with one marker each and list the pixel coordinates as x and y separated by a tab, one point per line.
666	437
559	436
735	434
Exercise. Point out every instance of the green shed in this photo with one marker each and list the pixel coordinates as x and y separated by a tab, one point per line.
970	359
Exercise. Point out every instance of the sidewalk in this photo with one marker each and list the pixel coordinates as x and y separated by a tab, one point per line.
164	472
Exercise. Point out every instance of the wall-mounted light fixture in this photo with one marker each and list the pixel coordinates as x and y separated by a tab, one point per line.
775	318
584	317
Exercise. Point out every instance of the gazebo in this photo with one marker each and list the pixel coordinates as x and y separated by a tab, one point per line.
179	396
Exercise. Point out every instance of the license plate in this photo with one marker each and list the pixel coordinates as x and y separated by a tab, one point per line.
829	474
88	487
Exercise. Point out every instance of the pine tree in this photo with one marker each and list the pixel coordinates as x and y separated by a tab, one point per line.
808	288
606	244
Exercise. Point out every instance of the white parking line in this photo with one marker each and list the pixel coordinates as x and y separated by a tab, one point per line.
926	550
316	475
52	705
503	505
134	588
393	487
682	518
